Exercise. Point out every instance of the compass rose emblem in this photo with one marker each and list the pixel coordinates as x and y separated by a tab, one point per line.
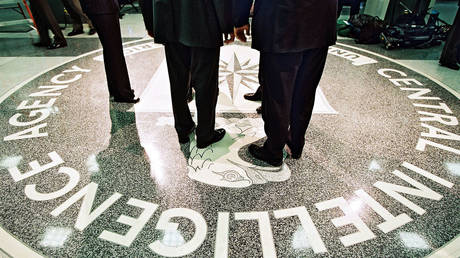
237	74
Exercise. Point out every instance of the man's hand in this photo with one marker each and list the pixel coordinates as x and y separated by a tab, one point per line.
229	37
240	32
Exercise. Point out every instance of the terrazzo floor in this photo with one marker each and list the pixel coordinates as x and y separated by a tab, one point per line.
81	176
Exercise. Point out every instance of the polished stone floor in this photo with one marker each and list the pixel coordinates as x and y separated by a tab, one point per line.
85	177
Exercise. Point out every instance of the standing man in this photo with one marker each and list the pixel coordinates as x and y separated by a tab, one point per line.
293	38
104	16
191	31
450	53
45	19
73	7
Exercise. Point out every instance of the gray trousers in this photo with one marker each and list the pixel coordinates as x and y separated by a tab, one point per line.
73	7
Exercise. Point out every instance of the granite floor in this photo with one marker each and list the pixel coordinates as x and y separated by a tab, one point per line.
81	176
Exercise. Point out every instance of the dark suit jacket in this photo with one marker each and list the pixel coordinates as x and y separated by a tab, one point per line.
283	26
194	23
100	6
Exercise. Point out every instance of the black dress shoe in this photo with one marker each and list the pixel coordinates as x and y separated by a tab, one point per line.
126	100
260	154
256	96
186	138
92	31
75	32
259	110
217	136
57	44
453	66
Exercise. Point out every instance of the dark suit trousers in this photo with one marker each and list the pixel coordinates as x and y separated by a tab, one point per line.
108	29
202	65
73	7
45	19
449	52
290	82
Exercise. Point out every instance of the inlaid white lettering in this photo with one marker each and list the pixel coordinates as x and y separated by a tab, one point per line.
56	79
420	191
422	143
37	104
363	234
443	119
265	229
85	215
434	132
136	224
44	113
314	239
32	132
419	93
406	81
75	69
164	223
17	176
74	177
221	248
383	72
50	92
391	222
441	106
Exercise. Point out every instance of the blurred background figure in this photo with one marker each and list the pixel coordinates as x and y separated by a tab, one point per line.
450	56
73	7
45	19
104	14
354	6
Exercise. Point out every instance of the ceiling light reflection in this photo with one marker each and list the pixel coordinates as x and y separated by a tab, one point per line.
53	110
300	239
10	162
55	236
92	165
356	205
173	238
157	171
413	240
453	168
374	166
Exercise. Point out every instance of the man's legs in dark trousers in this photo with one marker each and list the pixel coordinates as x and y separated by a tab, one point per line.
108	29
205	72
45	20
80	12
42	24
290	82
178	58
279	75
77	23
303	99
202	63
449	55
